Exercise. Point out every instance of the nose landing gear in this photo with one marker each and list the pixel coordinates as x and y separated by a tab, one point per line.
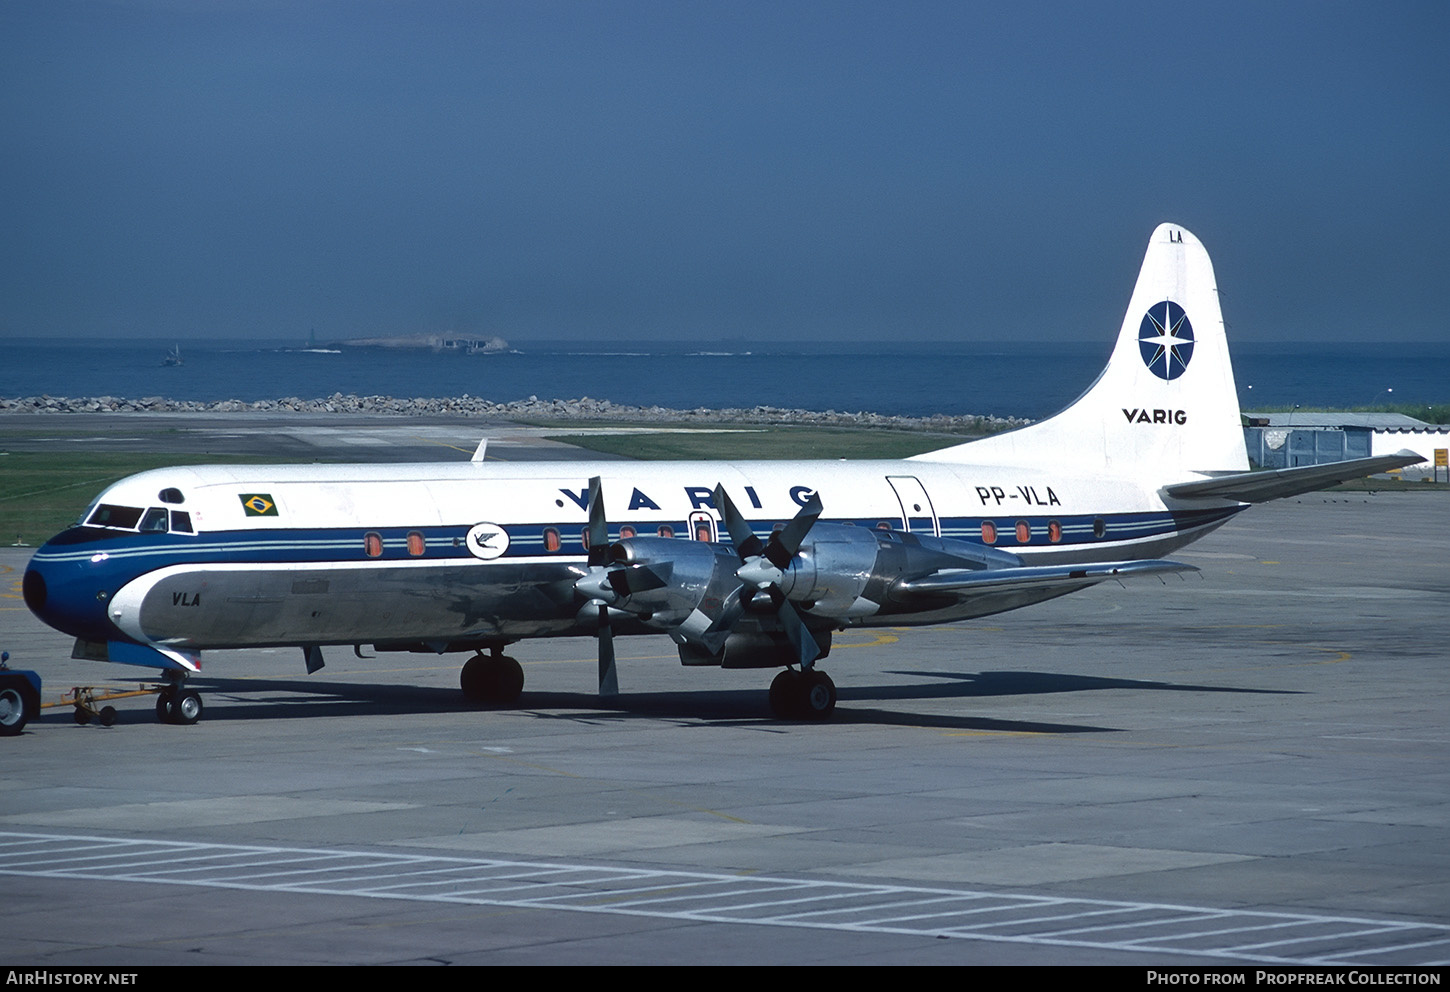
178	704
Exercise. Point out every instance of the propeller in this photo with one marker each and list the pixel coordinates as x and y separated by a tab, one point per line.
597	586
605	585
762	567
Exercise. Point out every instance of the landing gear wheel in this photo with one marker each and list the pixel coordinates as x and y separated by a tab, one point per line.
817	699
784	693
186	709
18	703
491	679
163	705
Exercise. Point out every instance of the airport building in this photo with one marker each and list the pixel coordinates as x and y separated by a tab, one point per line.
1301	437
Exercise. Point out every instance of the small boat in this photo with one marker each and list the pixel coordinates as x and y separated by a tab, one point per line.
173	357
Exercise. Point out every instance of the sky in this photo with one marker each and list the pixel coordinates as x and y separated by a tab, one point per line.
716	171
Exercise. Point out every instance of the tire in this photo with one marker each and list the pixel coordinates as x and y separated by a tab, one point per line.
186	710
163	706
107	716
492	679
784	693
19	702
817	699
510	682
473	680
82	717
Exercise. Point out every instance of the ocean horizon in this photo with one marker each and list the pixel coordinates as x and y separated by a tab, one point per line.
915	379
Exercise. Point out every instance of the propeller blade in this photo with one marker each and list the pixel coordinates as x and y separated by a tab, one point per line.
807	650
724	621
598	524
747	545
785	542
608	677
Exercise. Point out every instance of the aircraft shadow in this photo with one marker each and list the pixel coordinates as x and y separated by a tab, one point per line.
966	684
237	700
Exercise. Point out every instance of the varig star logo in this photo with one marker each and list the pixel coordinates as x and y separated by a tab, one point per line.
1166	340
258	505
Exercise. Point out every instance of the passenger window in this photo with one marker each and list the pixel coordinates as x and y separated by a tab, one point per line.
989	532
373	544
883	525
155	521
551	539
181	522
1024	532
665	531
416	544
626	531
1054	531
1100	528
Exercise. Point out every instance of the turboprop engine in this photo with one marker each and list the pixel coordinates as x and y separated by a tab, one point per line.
661	580
772	602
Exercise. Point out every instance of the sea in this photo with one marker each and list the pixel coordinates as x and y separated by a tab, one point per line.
1024	379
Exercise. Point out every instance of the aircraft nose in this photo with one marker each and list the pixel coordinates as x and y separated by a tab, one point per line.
68	590
33	589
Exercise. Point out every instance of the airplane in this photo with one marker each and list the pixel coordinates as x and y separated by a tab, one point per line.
749	564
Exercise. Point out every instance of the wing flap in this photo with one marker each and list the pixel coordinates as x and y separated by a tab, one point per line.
1065	577
1260	487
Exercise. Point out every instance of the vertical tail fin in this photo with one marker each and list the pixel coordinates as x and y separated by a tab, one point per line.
1166	402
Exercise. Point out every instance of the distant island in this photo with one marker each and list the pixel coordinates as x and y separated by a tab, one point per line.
432	342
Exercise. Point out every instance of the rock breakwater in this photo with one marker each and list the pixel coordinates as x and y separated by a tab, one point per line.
532	408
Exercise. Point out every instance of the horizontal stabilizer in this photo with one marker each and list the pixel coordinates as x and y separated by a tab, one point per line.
1065	577
1260	487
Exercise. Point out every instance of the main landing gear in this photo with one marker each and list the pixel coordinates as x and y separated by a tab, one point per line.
178	704
803	695
491	678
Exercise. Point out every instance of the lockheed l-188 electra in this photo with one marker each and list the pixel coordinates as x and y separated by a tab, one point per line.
750	564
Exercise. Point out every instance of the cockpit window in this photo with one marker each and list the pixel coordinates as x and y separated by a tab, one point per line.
171	495
181	522
154	522
108	515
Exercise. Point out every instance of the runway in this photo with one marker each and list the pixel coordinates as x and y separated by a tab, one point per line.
1248	765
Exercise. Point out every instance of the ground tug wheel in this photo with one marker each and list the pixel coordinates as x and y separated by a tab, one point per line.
19	702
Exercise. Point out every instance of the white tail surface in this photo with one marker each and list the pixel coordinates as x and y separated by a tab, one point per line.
1166	405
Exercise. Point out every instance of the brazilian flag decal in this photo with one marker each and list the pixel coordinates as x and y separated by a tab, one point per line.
258	505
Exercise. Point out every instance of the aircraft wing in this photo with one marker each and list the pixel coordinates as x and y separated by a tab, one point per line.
1260	487
1065	578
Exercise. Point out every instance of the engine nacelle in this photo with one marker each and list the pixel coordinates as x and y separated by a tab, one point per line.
830	574
753	648
843	572
695	576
